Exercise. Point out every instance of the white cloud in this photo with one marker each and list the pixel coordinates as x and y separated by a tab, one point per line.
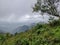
24	18
18	11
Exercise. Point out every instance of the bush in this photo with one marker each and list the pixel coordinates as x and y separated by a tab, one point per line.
54	23
22	42
18	42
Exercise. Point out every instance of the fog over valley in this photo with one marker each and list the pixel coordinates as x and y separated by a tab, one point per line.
18	13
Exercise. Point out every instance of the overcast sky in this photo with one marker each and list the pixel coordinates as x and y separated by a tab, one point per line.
13	10
18	11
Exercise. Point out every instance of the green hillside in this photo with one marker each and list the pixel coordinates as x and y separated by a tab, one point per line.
41	34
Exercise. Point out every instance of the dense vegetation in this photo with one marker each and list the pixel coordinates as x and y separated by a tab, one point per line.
41	34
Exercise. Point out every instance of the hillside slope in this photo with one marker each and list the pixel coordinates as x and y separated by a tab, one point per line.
38	35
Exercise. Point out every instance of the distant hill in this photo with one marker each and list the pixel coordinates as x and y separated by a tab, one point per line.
9	27
21	29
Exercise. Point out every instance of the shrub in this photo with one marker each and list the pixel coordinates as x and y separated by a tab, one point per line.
22	42
54	23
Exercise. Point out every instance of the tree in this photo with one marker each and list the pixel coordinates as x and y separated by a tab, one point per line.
47	6
2	39
8	35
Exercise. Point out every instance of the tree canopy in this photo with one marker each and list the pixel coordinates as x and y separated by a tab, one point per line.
47	6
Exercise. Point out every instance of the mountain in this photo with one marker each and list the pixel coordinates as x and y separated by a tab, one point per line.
21	29
15	27
9	27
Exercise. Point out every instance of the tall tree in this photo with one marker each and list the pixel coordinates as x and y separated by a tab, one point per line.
47	6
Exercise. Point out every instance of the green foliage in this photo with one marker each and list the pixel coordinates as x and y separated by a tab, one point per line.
41	34
22	42
47	6
8	35
54	23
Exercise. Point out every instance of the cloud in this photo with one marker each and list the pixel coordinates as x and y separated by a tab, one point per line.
25	18
18	7
19	11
